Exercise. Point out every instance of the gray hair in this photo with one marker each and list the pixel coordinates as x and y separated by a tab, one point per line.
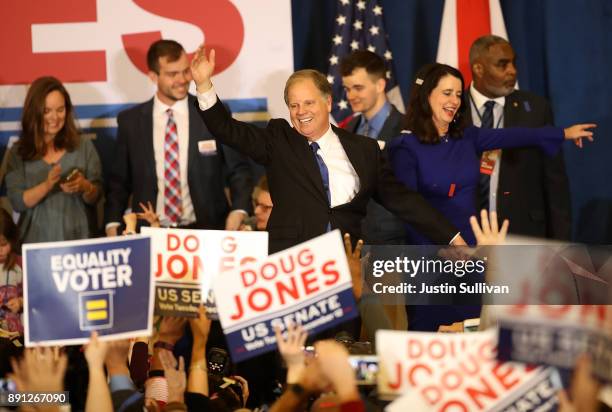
481	46
318	78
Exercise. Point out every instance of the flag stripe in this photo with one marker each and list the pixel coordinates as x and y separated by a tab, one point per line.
472	22
463	21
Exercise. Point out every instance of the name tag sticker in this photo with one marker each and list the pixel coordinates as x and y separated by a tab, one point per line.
207	147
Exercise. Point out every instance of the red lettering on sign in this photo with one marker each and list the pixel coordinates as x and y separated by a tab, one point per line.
219	21
329	271
486	391
16	42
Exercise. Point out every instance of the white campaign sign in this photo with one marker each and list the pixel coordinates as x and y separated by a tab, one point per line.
185	262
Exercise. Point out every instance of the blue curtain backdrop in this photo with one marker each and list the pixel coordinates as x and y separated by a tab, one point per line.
564	52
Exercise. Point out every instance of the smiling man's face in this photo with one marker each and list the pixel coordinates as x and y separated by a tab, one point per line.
309	109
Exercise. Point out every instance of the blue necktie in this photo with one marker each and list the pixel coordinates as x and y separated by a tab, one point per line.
322	169
485	179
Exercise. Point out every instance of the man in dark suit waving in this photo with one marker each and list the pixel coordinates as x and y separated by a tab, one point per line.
165	155
320	177
521	184
364	80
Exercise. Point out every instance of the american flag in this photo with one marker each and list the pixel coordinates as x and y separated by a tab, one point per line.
359	26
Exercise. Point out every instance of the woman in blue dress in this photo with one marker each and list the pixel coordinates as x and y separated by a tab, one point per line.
440	158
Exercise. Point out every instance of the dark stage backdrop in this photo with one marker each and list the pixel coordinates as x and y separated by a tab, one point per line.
564	52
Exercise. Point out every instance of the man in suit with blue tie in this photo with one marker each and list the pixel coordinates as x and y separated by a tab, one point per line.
166	156
364	80
320	177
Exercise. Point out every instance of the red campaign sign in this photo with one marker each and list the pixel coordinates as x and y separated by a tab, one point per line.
218	20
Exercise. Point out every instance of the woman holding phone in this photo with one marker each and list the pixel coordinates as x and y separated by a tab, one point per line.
52	173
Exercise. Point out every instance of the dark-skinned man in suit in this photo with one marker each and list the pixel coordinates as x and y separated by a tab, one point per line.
521	184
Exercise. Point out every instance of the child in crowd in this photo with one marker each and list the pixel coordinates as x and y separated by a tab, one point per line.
11	297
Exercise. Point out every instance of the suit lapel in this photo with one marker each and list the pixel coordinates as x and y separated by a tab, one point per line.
197	130
146	126
386	133
512	110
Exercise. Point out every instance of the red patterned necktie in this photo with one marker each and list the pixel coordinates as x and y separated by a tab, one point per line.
172	172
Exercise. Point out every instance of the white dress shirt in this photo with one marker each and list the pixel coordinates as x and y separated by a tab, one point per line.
180	111
477	102
343	180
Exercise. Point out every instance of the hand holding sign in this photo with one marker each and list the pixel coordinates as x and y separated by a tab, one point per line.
117	357
171	329
98	392
200	327
95	352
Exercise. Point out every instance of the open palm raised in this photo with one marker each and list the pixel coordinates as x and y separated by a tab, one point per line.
202	68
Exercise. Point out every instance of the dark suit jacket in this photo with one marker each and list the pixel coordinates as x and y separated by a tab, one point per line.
380	226
533	190
134	172
301	211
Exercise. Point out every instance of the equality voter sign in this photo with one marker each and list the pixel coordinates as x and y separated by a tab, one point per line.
308	284
186	261
73	288
556	335
458	372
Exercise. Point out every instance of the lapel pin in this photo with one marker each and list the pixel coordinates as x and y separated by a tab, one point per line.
515	104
